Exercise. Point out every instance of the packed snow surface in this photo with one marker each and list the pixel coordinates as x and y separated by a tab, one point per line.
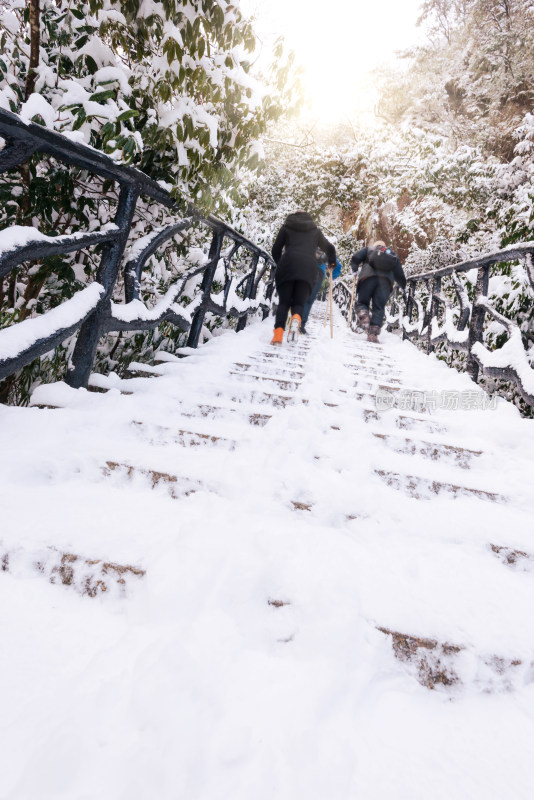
251	660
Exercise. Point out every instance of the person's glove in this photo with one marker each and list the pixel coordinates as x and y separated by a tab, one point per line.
355	268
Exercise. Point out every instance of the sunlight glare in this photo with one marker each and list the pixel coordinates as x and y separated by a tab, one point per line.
338	45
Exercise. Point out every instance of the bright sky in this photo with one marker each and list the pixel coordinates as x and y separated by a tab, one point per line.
338	42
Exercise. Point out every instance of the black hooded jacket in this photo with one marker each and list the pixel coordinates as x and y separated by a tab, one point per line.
294	249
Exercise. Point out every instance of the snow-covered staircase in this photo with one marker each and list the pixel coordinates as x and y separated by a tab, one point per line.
286	547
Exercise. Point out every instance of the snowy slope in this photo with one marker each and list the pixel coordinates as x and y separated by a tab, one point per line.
297	570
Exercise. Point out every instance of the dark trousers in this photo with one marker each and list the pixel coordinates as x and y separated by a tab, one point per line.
311	299
374	290
291	295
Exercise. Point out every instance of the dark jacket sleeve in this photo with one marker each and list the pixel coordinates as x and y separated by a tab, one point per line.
328	248
358	258
400	277
278	245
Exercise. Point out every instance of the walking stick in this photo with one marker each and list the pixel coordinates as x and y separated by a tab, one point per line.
349	318
331	307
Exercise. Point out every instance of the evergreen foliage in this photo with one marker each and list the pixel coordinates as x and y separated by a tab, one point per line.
164	85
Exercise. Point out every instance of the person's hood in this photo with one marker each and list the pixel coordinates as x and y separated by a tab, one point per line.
300	221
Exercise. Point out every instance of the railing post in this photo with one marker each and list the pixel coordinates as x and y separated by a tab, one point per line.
269	293
434	308
529	267
476	326
250	292
408	308
427	319
207	281
84	353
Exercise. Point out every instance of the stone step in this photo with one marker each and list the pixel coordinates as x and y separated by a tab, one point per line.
513	558
422	488
433	660
279	354
265	398
354	355
357	361
461	456
404	422
87	576
439	664
365	369
384	386
177	486
161	436
300	347
386	400
284	384
376	378
245	368
219	412
278	363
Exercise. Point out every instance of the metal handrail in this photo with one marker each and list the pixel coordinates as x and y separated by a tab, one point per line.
91	311
462	327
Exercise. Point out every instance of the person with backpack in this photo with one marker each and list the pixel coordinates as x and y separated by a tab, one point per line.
296	268
321	274
381	269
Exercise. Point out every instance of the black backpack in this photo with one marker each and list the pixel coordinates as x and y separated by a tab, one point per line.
383	259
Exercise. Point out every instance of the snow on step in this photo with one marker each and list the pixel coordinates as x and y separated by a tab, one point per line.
161	436
288	589
443	664
89	577
514	558
402	421
462	456
281	383
419	487
264	368
177	486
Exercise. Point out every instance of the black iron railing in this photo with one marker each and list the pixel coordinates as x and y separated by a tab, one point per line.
91	311
436	308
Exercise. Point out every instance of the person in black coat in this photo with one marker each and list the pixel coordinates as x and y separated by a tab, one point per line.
381	269
296	267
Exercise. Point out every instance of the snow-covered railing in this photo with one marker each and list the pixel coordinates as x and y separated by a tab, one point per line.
436	308
91	311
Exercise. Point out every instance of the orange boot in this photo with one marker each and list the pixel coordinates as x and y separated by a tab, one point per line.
294	328
278	336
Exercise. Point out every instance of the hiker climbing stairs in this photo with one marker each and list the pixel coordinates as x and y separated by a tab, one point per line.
328	520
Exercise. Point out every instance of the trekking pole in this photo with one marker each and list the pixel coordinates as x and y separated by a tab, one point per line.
331	307
349	318
325	313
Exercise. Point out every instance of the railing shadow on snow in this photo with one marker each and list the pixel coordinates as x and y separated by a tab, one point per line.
91	311
437	308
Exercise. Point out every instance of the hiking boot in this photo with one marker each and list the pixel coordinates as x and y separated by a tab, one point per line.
294	328
303	329
278	336
363	318
372	336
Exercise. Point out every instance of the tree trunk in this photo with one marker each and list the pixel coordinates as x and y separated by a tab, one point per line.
35	42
